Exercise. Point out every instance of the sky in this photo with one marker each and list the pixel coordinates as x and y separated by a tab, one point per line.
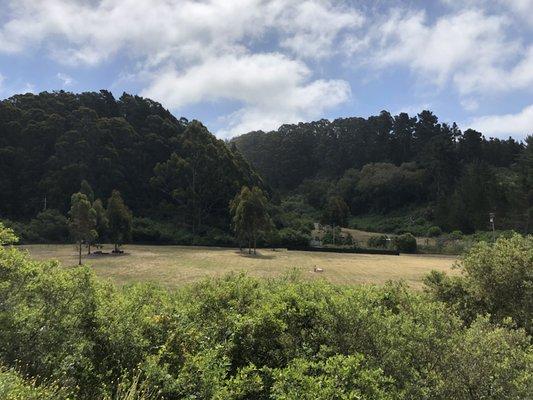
243	65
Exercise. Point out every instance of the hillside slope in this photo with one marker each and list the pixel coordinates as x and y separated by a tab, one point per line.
164	167
385	163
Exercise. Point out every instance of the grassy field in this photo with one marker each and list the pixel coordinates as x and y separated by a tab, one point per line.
176	265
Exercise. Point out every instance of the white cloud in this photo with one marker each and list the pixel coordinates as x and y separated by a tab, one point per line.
470	104
190	51
272	88
464	47
314	26
90	32
259	52
66	79
518	125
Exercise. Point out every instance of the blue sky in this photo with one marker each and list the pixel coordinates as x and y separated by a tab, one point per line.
241	65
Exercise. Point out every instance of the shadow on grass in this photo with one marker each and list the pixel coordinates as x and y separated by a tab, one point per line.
260	256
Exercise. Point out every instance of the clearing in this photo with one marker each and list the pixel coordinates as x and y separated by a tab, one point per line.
177	265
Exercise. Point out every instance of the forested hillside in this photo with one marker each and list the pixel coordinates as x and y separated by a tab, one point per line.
385	163
164	168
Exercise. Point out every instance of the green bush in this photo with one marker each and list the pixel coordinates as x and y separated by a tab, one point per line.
237	337
377	241
146	230
290	237
406	243
50	226
14	387
455	235
434	231
497	279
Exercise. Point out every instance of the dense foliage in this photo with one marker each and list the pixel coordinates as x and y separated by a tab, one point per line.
385	163
64	334
51	142
496	279
250	215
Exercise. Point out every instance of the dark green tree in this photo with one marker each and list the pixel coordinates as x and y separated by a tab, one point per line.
82	221
250	215
87	190
335	213
120	220
102	222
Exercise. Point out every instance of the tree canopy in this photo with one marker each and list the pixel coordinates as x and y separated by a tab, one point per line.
384	163
52	142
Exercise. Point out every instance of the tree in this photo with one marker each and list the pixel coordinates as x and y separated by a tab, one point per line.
7	236
120	220
335	213
497	279
249	215
87	190
82	221
102	222
525	167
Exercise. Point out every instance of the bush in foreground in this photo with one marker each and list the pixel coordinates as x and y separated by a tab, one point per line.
496	279
242	338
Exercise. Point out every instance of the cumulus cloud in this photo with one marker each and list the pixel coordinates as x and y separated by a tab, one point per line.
469	48
312	27
259	53
189	51
518	125
90	32
273	88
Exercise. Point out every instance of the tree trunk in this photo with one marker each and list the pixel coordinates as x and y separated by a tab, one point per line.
249	245
79	259
116	248
89	249
255	243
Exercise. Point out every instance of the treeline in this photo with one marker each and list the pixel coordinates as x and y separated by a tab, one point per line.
166	169
178	179
66	335
386	162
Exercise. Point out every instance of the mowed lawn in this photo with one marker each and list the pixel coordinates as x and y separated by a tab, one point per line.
177	265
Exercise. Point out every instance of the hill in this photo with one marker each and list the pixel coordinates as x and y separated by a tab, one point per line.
165	168
385	163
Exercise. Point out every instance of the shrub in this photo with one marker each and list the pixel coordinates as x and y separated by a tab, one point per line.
14	387
377	241
434	231
7	235
455	235
236	337
290	237
50	226
406	243
497	279
144	230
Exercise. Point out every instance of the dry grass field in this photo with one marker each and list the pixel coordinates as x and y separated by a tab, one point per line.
176	265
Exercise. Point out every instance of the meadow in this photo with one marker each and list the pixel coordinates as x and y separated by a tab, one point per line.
173	266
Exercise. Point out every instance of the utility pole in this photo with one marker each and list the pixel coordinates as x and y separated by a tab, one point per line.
491	219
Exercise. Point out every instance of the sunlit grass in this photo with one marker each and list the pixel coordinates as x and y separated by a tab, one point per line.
177	265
